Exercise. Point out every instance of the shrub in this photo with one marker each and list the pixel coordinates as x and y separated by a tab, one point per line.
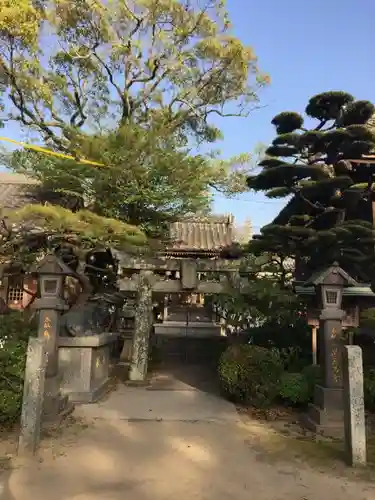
295	388
15	330
251	374
298	388
291	358
314	376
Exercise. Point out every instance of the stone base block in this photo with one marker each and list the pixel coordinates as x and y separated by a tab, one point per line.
91	396
121	370
55	405
329	398
127	349
181	329
84	366
331	430
326	415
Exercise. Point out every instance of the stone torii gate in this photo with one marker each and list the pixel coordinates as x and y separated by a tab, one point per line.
148	276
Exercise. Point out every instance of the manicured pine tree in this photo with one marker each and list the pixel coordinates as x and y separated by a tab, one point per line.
329	216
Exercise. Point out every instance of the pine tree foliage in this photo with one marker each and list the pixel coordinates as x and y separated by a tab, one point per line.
28	233
329	215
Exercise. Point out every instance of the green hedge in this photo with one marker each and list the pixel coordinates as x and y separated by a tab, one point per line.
298	388
256	375
15	330
251	374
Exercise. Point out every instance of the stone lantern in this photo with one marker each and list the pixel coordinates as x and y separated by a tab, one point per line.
51	273
328	286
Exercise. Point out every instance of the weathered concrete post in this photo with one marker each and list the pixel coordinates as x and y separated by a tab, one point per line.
33	397
50	303
142	327
354	412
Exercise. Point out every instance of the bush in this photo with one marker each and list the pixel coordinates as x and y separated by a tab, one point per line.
314	376
15	330
251	374
298	388
294	388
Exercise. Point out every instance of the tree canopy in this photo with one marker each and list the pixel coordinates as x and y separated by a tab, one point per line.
131	85
312	159
145	179
73	66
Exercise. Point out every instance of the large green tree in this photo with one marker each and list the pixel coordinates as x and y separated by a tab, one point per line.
128	84
69	66
329	216
146	180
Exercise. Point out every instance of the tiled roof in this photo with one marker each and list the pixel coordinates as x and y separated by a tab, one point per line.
201	234
16	190
208	234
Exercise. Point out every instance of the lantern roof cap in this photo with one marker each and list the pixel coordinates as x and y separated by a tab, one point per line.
330	275
51	264
364	290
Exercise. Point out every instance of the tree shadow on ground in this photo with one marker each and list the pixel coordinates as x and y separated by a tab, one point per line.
98	454
114	459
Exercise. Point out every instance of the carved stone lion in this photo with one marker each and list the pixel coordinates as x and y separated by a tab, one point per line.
93	317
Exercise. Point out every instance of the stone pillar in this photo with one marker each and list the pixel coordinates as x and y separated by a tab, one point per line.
354	412
49	326
326	414
142	328
331	342
33	396
48	329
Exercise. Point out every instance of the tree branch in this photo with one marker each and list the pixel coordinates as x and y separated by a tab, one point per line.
124	97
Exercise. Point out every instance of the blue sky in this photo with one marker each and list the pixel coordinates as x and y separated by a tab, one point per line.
307	47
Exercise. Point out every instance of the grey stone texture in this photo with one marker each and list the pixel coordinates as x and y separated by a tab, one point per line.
331	339
55	404
326	413
48	328
84	366
33	396
354	413
189	277
180	329
142	328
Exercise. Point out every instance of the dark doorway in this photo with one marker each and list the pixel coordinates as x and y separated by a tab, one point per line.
172	350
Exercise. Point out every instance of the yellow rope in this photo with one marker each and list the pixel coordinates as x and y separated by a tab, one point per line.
52	153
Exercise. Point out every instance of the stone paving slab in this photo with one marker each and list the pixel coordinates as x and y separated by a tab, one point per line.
129	403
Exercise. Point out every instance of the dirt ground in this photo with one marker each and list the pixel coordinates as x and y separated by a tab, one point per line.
185	443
